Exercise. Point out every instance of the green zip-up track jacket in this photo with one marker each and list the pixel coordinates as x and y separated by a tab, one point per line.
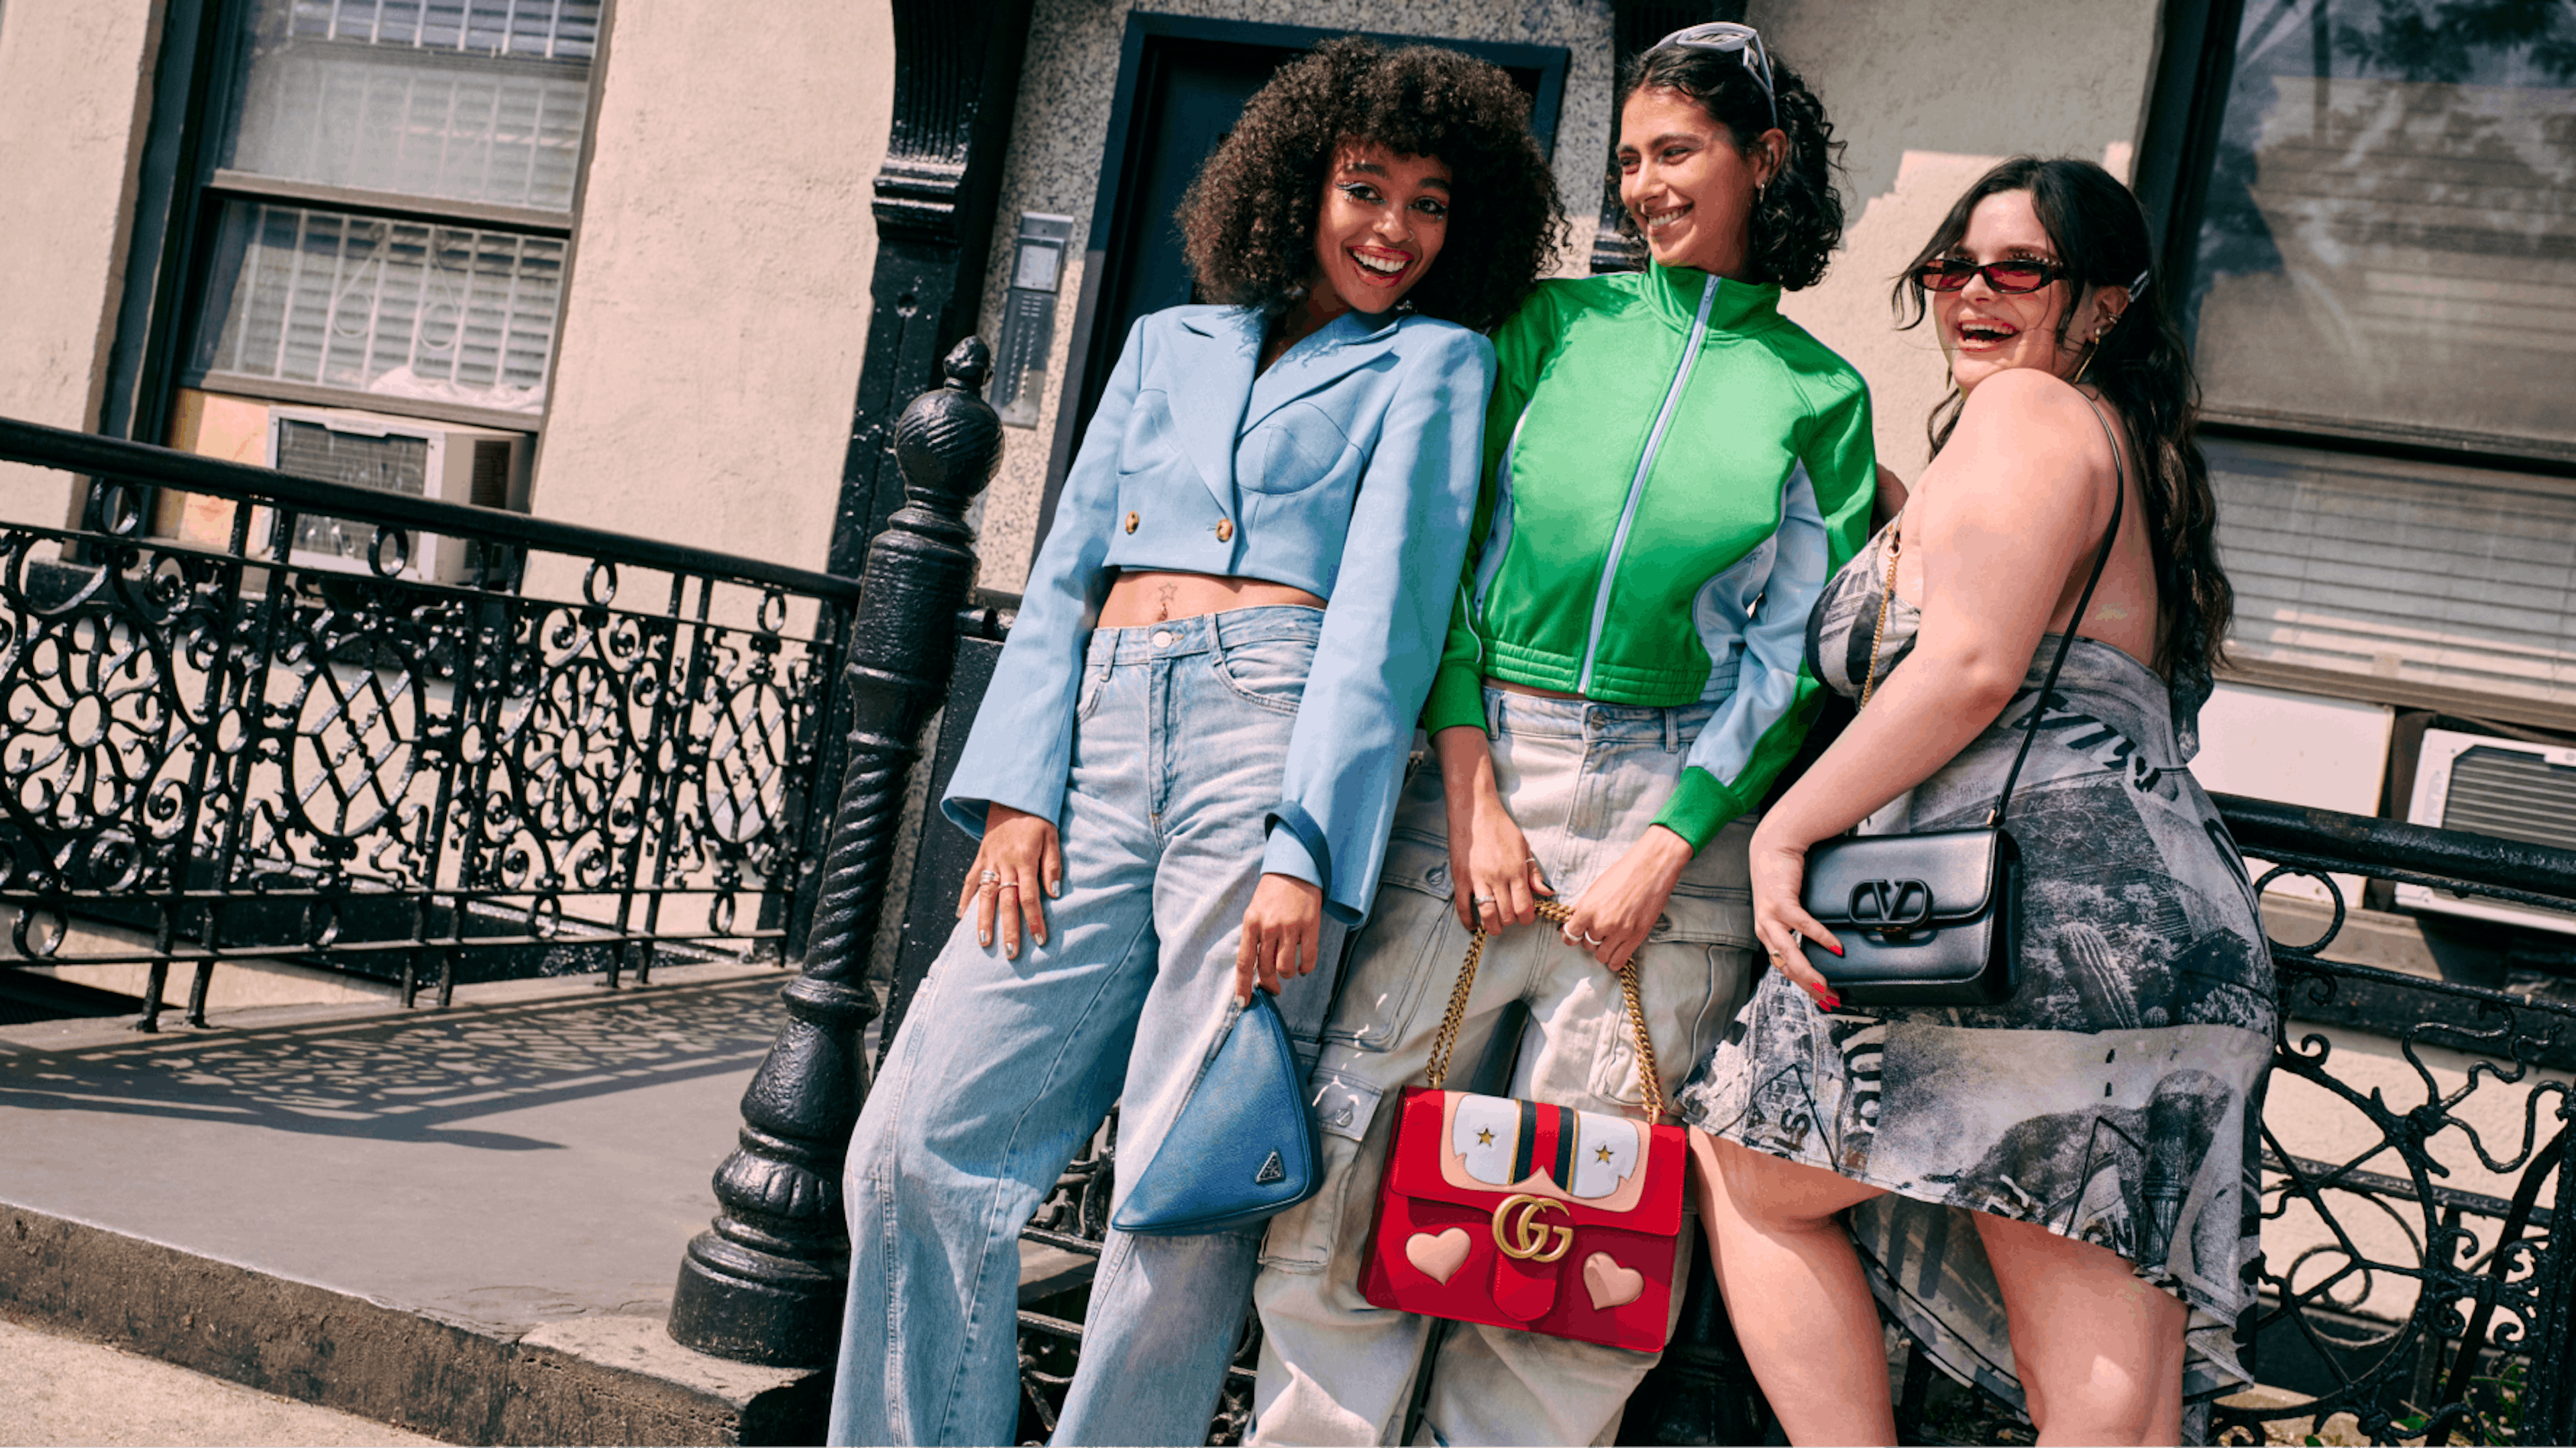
1672	471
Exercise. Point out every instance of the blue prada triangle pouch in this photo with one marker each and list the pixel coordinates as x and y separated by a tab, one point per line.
1243	1147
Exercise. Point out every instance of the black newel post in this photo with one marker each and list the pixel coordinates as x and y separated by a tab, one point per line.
764	1284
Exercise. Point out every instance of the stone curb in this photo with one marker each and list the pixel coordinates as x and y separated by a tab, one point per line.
586	1380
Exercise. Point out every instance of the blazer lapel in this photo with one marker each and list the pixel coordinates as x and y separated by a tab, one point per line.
1347	342
1208	396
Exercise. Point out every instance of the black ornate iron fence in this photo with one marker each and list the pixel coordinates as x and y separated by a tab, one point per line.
579	751
2415	1170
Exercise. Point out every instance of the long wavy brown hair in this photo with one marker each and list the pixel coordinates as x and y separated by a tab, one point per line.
2100	237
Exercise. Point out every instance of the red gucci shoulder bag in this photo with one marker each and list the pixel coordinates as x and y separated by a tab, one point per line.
1521	1215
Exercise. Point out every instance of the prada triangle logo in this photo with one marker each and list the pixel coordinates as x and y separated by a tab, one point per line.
1273	1170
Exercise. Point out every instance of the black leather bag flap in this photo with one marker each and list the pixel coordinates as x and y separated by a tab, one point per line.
1905	882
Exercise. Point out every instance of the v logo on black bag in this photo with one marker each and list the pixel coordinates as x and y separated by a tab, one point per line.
1891	907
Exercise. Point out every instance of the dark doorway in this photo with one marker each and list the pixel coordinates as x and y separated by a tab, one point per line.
1181	84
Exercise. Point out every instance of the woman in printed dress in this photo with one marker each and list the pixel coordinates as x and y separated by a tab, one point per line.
2055	1195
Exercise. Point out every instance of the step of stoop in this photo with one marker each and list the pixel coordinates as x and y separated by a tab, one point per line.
596	1379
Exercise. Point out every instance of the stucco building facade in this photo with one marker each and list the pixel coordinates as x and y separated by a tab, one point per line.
2372	235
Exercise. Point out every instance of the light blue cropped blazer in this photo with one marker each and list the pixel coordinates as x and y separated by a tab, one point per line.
1348	469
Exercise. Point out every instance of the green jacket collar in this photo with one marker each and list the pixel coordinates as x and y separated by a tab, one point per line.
1674	292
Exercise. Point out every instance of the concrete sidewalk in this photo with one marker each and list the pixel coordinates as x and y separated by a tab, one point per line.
467	1222
58	1390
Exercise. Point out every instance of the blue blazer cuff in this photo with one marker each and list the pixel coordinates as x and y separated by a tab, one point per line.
1297	847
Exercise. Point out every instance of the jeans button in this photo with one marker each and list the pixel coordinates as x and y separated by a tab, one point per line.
1663	925
1162	638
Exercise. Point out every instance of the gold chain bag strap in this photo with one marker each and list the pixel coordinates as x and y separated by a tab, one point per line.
1649	1079
1518	1214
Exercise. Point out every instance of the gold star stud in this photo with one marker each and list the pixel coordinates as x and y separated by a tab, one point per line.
1602	1152
1485	1138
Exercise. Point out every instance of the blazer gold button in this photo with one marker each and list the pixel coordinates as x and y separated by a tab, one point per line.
1225	530
1132	521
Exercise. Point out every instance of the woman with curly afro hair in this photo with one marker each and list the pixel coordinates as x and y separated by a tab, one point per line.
1673	470
1183	769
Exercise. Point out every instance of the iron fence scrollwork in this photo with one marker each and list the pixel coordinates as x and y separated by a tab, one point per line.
591	753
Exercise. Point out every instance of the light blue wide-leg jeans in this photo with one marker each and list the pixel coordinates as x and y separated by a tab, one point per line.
1003	1068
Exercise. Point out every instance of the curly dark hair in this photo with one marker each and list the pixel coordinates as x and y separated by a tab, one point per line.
1248	223
2142	365
1797	220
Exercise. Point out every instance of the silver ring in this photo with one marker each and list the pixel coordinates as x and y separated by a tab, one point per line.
1534	860
1797	941
1475	899
1008	885
989	876
1591	939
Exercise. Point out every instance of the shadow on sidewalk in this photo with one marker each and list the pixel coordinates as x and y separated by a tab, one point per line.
412	1078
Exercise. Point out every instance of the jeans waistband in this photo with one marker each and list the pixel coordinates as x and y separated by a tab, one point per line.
1204	633
1538	717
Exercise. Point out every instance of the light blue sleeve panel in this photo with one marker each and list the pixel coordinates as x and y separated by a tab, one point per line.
1776	585
1020	752
1388	619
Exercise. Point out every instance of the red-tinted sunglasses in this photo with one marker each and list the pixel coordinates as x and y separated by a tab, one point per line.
2011	277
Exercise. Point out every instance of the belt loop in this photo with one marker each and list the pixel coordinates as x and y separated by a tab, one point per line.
1672	734
1493	713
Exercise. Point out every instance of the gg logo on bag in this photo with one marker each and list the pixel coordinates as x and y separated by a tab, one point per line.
1530	1237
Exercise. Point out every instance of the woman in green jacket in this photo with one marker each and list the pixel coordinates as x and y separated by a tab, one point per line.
1673	470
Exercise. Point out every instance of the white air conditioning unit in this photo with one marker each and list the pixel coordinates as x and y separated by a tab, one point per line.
2500	787
445	461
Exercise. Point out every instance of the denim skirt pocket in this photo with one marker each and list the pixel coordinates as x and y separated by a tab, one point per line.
1409	950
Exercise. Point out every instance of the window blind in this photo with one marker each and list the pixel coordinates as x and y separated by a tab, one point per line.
2410	581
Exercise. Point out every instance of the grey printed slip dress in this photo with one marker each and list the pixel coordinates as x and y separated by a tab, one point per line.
2116	1098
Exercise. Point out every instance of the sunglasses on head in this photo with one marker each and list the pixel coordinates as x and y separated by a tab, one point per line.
1744	41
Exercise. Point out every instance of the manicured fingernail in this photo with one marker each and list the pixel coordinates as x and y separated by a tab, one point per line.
1836	949
983	937
1833	1003
1054	888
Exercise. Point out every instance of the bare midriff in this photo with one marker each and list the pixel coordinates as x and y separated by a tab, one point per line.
1144	598
1533	690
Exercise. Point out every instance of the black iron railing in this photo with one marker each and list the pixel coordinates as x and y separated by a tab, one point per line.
580	751
2427	1309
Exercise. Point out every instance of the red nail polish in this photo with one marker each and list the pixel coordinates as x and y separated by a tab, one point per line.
1833	1003
1837	950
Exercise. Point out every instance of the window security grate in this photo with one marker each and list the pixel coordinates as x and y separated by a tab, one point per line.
400	309
537	29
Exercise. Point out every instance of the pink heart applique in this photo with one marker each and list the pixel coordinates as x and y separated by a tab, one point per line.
1441	1254
1610	1284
